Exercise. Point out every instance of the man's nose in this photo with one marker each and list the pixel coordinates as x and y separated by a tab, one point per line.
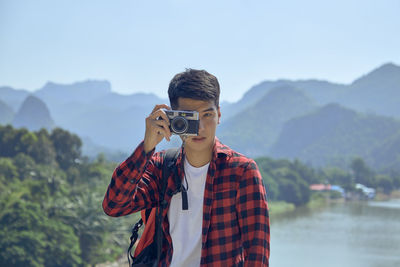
201	125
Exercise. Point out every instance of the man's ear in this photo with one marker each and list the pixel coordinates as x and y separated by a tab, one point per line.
219	115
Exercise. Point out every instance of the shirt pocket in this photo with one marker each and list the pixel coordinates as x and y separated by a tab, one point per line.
224	208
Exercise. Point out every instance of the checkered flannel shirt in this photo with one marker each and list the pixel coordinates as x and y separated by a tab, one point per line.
235	228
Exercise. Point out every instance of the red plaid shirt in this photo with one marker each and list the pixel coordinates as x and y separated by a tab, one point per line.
235	211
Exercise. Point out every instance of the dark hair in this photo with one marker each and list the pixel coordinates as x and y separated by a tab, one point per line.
194	84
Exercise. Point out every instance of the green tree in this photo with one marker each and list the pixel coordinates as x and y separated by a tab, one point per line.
13	141
385	183
90	224
340	177
270	184
8	171
25	165
29	238
362	174
306	173
289	191
292	188
395	179
67	147
43	151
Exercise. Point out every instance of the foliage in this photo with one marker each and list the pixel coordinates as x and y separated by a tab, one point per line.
290	180
287	181
362	174
67	147
51	202
340	177
30	238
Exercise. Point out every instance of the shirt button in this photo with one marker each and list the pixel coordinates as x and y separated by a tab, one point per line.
132	181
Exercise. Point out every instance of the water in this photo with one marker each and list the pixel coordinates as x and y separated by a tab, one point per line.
363	234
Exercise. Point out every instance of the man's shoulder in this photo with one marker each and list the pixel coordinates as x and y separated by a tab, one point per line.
232	156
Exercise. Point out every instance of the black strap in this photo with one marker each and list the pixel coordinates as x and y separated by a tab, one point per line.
170	158
133	238
169	163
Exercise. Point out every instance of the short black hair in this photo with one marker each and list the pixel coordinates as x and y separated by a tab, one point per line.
194	84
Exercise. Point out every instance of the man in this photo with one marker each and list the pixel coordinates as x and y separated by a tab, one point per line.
226	222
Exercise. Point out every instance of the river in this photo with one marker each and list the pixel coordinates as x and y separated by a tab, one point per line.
351	234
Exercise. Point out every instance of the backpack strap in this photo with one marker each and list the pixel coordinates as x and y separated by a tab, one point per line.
169	162
133	238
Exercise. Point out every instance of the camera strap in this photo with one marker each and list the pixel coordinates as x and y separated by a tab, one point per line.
185	202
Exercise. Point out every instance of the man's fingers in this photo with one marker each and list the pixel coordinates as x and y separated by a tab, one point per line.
161	131
160	114
157	107
159	127
164	125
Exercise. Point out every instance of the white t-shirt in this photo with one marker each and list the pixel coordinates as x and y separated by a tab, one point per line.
185	226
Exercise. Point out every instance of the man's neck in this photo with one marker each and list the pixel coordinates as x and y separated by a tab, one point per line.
198	158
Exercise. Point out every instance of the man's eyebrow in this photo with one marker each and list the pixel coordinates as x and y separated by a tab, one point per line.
209	109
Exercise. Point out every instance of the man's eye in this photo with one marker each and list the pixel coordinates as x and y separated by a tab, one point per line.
207	114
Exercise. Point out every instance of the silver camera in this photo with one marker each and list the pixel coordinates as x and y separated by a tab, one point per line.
183	122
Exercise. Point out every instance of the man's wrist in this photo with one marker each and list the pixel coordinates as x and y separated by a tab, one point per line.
147	148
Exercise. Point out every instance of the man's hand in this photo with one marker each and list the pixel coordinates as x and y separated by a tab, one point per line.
157	127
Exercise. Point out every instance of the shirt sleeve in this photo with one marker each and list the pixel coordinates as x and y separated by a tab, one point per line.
253	217
134	184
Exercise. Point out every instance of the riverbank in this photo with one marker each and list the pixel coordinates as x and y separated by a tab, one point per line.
280	207
385	197
319	201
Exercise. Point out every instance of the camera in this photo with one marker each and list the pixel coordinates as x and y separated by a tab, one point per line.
183	122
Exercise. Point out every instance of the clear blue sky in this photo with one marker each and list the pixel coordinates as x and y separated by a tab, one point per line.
139	45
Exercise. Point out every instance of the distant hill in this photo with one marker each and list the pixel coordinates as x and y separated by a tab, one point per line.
13	97
79	92
6	113
386	155
322	92
91	110
33	115
253	130
377	92
334	135
317	121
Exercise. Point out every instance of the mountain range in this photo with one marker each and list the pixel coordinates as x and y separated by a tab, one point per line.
316	121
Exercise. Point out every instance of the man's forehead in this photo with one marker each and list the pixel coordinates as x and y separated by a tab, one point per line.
196	105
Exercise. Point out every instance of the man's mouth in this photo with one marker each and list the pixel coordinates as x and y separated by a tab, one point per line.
198	138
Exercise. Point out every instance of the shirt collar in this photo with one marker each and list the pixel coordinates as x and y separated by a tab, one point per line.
220	150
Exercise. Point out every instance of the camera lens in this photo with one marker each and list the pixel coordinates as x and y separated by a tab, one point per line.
179	125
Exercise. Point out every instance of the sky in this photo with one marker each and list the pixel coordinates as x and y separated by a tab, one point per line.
140	45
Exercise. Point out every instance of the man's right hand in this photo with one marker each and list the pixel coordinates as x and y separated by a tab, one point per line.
157	127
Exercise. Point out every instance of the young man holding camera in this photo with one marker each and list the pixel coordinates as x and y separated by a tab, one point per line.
224	221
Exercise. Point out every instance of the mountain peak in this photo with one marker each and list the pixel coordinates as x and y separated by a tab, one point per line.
383	74
33	115
84	91
97	86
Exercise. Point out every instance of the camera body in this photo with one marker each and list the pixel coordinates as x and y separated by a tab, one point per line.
183	122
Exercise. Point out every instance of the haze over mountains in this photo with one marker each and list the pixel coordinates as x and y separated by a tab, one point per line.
284	118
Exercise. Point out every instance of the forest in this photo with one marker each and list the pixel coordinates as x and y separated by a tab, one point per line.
51	197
